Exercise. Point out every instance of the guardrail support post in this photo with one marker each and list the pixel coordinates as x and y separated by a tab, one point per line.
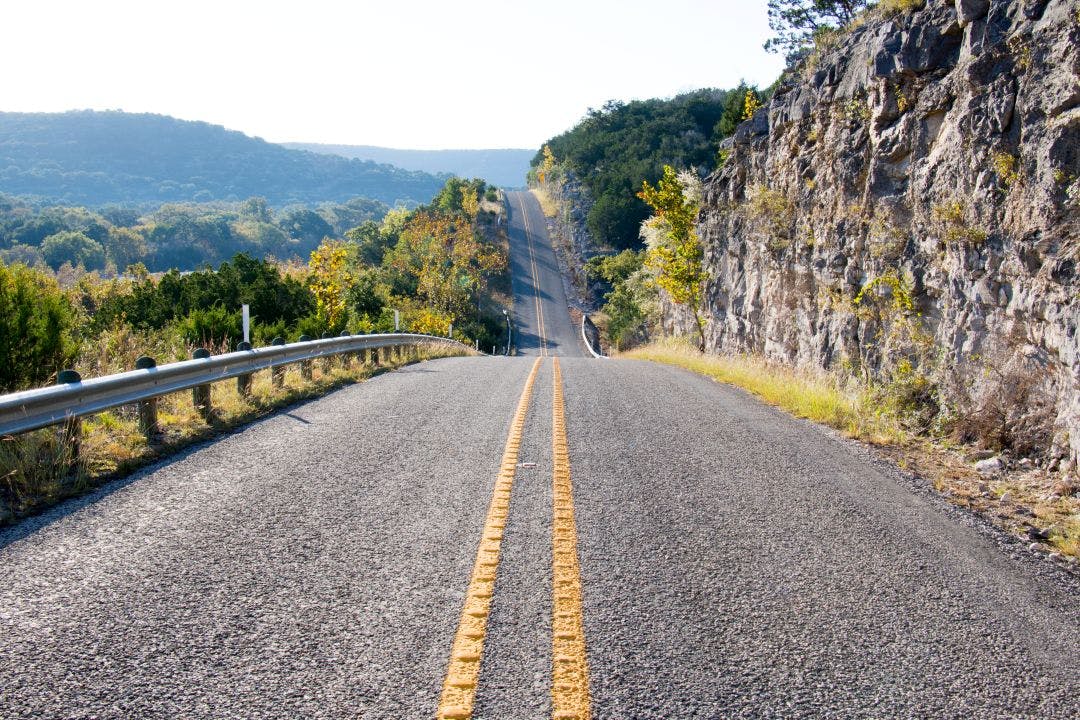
71	430
200	394
305	365
346	358
375	357
243	382
327	362
277	373
148	421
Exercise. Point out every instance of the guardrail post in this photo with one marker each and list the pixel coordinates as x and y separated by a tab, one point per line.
243	382
329	359
277	373
374	355
148	421
200	394
346	358
305	365
71	432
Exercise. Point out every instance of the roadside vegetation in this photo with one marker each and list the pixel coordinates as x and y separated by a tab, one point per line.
616	148
441	267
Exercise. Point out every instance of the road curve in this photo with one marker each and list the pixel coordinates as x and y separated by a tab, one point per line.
734	563
541	318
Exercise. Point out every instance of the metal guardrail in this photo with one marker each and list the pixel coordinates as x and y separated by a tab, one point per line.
42	407
588	343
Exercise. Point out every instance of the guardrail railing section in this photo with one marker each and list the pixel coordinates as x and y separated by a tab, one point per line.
73	398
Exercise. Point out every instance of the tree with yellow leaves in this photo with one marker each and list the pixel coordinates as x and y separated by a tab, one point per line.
330	281
674	252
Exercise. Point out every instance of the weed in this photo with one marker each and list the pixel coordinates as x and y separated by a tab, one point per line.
1007	168
951	218
1021	51
857	109
895	8
772	213
886	240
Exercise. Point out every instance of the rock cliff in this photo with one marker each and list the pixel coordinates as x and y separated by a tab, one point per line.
907	207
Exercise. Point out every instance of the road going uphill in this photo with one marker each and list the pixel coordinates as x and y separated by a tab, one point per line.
529	537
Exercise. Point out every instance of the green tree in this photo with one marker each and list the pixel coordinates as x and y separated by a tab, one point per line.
797	22
124	247
674	251
73	247
36	322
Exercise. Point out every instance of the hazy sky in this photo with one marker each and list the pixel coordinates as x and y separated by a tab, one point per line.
399	73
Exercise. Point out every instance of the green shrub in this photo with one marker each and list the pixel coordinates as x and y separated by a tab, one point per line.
36	322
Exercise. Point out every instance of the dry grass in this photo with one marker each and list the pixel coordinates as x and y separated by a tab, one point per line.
547	203
36	470
814	396
1029	503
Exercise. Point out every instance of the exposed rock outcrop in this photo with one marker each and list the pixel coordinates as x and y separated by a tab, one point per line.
908	203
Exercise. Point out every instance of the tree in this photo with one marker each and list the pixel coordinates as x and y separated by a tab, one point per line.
330	280
35	328
797	22
72	247
125	246
674	252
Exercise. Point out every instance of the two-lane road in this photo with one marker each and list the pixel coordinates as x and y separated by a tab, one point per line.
541	320
522	538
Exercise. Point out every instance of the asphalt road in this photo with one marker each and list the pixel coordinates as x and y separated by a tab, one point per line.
541	323
734	563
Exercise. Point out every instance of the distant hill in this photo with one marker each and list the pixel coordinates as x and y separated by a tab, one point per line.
505	168
97	158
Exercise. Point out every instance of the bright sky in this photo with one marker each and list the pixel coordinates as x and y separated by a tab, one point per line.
397	73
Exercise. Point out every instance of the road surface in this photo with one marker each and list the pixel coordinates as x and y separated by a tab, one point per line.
541	322
495	537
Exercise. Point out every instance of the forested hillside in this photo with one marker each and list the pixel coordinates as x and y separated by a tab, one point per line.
503	168
97	158
181	236
614	149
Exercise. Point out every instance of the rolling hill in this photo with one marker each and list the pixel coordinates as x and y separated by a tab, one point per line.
505	168
97	158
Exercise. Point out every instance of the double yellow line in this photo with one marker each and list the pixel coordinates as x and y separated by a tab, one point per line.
535	280
570	698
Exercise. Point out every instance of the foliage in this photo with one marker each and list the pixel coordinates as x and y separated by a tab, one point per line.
631	299
1007	168
96	158
74	248
951	220
617	147
797	22
155	303
771	213
751	104
181	236
329	282
35	328
674	251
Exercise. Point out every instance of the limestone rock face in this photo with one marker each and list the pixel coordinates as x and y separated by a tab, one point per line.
908	203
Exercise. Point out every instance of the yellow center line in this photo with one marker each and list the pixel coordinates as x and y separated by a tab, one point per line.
536	280
570	699
459	688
